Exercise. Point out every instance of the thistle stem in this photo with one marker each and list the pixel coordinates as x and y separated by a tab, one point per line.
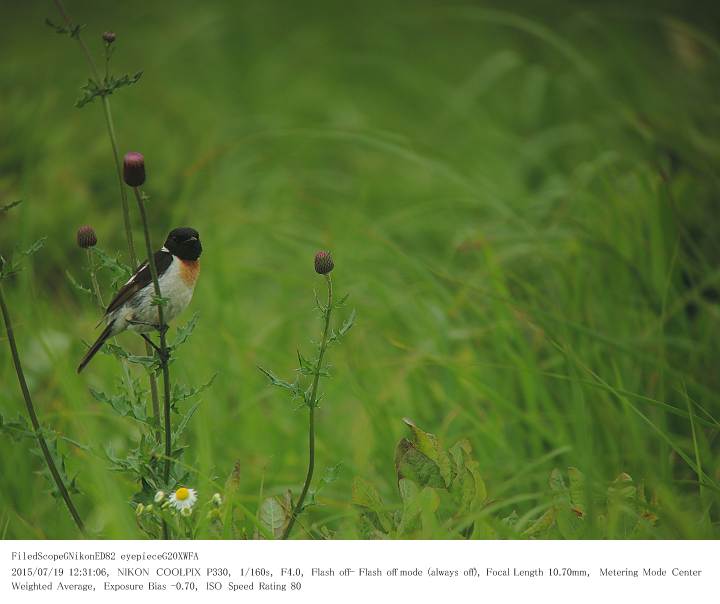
313	404
34	419
123	193
163	331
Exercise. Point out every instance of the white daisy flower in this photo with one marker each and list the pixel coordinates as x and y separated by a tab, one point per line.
183	498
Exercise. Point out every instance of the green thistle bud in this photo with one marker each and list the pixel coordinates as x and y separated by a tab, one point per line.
323	263
86	237
134	169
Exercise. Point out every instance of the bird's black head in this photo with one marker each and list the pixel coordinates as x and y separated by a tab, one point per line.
184	243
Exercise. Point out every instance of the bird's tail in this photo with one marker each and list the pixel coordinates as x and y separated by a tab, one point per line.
107	332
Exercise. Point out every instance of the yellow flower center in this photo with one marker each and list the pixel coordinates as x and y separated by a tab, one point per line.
182	494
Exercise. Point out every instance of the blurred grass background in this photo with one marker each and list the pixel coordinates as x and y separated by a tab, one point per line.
521	199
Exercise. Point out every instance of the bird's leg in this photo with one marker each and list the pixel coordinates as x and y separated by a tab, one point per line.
164	358
149	341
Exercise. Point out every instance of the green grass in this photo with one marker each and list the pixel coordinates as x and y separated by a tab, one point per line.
521	202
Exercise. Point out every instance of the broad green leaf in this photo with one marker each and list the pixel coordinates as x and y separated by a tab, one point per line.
419	509
274	515
542	524
365	494
577	488
366	497
415	465
408	489
557	484
569	522
468	487
428	444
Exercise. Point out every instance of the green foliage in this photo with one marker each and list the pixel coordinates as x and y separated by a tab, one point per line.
20	430
620	512
92	89
13	266
437	487
9	206
312	368
523	217
73	30
274	515
119	272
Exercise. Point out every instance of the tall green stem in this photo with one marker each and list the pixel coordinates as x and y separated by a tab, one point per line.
163	331
111	133
33	416
123	193
312	404
119	171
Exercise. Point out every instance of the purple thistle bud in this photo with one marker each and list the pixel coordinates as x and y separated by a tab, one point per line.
134	169
86	237
323	263
109	37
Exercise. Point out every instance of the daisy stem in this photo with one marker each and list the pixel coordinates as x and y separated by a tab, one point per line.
312	404
123	193
33	416
164	360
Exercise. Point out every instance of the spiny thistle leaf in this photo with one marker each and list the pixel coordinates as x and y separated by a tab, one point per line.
119	271
93	89
9	206
78	286
182	393
184	332
150	363
17	429
293	388
73	30
180	428
13	266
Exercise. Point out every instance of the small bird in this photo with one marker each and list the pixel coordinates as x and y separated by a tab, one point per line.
132	307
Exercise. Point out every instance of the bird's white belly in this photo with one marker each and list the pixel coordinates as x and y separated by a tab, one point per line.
141	315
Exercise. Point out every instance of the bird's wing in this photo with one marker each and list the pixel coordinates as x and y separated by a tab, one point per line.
141	277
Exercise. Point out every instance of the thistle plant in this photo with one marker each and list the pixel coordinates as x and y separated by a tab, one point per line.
87	240
313	370
151	461
101	88
134	175
57	473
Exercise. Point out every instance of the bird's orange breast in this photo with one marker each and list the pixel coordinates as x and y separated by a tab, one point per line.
189	271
